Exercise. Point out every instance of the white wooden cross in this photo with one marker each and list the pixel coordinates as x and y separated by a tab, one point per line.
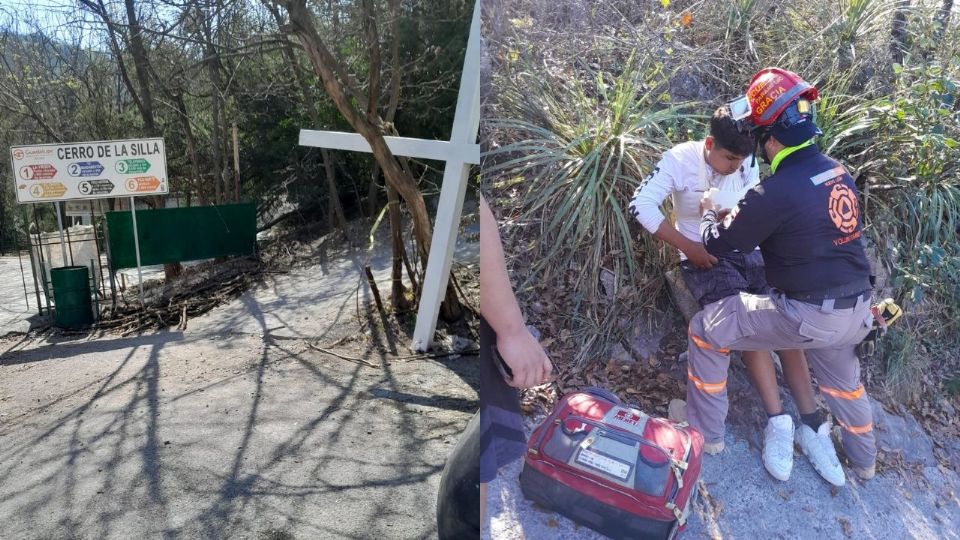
459	153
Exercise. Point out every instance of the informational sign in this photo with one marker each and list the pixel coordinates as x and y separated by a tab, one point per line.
89	170
82	209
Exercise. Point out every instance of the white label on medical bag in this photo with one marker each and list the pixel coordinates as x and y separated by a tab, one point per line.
626	418
601	462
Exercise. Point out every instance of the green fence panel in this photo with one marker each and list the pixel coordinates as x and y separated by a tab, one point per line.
171	235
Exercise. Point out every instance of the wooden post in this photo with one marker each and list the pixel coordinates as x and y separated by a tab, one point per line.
373	287
236	165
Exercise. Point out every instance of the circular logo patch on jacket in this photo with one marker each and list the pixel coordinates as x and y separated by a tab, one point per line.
843	208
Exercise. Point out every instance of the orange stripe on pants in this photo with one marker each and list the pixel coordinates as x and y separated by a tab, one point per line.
703	344
710	388
857	430
840	394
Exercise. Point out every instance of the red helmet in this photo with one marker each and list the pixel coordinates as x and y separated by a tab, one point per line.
772	91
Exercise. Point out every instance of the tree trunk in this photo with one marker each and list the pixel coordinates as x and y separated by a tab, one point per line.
373	190
139	53
176	99
375	176
191	149
336	209
213	71
205	17
370	127
236	164
398	293
142	70
335	206
3	221
98	9
450	308
373	43
181	108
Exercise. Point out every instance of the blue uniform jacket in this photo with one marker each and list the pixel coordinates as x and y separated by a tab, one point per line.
806	220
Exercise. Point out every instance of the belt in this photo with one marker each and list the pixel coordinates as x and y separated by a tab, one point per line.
838	303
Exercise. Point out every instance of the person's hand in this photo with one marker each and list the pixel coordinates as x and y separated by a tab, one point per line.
699	257
706	202
526	358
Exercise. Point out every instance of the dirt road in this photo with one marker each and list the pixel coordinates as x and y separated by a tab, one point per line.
234	428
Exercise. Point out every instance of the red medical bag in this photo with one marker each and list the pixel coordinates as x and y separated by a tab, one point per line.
612	467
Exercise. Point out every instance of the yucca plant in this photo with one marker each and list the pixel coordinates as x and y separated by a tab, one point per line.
740	14
860	21
581	148
844	118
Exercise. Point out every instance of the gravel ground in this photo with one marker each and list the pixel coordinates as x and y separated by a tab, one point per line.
234	427
15	306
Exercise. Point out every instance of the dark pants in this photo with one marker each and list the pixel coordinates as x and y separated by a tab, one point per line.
493	438
502	439
734	273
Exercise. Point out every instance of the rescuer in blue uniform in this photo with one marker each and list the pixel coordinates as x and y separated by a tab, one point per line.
806	219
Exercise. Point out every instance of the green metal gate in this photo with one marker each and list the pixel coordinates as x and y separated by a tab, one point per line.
171	235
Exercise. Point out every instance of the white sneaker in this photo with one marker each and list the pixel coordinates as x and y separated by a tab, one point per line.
866	473
778	446
819	449
677	410
714	448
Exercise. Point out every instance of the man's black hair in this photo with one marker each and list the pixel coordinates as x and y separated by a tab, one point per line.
727	136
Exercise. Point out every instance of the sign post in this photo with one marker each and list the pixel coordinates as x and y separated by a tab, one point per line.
63	244
91	170
136	246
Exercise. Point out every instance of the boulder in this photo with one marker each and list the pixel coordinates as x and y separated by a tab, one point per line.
902	434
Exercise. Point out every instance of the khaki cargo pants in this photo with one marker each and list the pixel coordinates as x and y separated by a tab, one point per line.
748	322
